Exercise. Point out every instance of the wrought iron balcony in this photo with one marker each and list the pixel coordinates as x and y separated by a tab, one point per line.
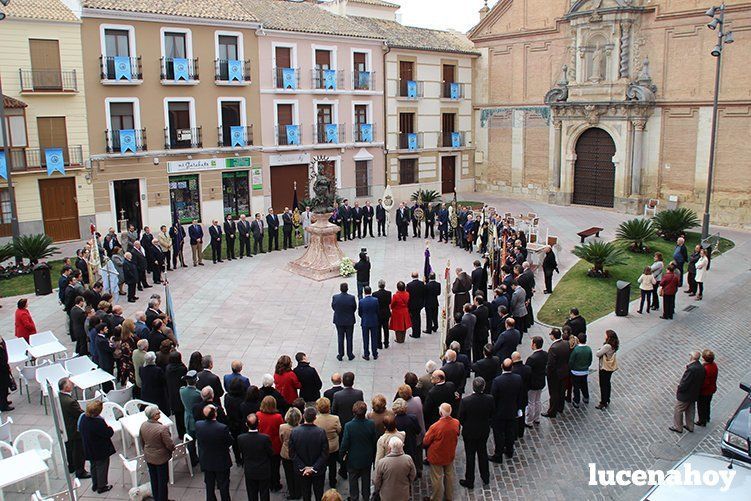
110	74
35	158
359	137
320	79
174	71
284	139
48	80
329	133
363	80
225	137
114	141
411	89
410	140
222	71
176	139
292	82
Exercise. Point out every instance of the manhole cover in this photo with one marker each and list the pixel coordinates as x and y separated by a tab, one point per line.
690	308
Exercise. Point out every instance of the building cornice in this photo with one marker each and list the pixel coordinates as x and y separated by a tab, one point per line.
305	35
165	18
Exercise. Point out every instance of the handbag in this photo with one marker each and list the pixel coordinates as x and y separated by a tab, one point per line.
660	291
610	363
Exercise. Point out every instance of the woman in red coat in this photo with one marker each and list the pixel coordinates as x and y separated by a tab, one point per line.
400	319
285	380
25	326
669	286
708	387
269	421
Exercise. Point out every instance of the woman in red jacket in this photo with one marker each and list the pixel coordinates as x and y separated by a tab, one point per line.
400	319
669	286
708	387
269	421
25	326
285	380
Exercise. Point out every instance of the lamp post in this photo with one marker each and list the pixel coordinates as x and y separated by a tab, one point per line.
717	24
6	151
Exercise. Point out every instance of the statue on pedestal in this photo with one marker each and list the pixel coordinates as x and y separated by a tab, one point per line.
388	205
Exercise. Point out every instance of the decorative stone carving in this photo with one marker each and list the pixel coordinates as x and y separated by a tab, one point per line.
559	93
639	124
592	113
643	89
322	259
623	67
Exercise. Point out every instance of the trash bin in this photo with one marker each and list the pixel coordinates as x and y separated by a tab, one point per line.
42	279
622	297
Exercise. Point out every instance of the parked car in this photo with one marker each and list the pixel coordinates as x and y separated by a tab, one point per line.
737	436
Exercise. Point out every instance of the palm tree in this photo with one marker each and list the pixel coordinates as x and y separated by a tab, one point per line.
600	254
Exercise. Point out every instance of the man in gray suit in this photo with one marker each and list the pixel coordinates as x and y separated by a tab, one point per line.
518	305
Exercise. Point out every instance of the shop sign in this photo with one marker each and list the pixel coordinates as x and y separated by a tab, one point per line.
257	179
207	164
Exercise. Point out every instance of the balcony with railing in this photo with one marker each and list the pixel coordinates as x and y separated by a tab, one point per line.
234	136
329	133
65	81
452	90
125	141
28	159
452	139
178	71
363	80
120	70
328	80
364	133
231	71
288	135
287	78
410	141
410	89
177	139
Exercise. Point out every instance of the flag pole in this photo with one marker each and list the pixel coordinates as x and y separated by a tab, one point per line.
446	314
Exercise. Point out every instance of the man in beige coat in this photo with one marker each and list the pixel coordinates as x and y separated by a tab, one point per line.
395	473
157	450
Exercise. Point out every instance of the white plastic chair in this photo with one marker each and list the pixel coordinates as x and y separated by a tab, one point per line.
58	496
651	206
5	432
52	373
7	450
39	441
42	338
135	468
83	403
28	373
112	412
17	348
180	453
79	365
120	397
134	406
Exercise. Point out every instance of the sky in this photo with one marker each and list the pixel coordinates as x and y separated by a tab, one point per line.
460	15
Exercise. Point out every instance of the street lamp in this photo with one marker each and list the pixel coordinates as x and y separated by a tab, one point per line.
716	24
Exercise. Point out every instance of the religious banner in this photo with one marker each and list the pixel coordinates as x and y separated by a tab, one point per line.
412	141
455	91
237	135
332	133
366	133
456	140
289	78
329	79
181	69
411	88
235	70
364	77
55	161
122	68
3	166
293	134
127	140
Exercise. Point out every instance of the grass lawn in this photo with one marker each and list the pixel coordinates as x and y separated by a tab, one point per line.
595	297
24	284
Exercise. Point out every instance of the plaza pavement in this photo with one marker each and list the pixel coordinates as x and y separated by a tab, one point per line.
253	310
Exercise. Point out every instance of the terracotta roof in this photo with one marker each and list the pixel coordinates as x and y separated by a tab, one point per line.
410	37
43	10
11	102
228	10
379	3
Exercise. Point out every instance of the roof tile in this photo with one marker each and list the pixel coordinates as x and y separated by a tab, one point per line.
43	10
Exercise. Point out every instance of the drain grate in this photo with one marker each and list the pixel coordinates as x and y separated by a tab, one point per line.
690	307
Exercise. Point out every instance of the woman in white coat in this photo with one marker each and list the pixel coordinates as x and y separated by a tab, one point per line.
701	272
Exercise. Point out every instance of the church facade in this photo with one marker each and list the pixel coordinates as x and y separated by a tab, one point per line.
609	103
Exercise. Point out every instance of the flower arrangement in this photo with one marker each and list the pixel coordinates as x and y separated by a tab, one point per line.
346	267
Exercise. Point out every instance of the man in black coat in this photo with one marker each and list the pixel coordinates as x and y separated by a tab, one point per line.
230	235
549	265
518	367
287	226
308	377
77	331
93	295
71	411
432	293
416	289
309	451
576	322
416	229
345	212
243	232
208	378
507	341
345	399
336	381
356	221
402	222
214	440
499	300
367	219
480	334
256	229
139	256
687	394
442	391
130	271
458	333
380	214
556	371
507	394
215	234
454	371
257	453
384	312
479	278
475	415
537	362
487	368
272	221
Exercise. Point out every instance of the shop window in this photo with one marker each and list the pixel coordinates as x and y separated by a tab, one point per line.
185	197
236	193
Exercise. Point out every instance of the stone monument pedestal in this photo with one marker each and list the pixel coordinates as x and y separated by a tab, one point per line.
322	259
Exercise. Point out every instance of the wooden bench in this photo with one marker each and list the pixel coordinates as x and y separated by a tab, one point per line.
594	230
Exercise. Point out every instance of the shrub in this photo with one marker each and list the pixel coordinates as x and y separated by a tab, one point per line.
428	196
635	233
34	247
673	223
7	252
600	254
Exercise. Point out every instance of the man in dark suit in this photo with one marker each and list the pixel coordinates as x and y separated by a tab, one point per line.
454	371
479	278
430	215
458	333
243	231
77	331
215	233
368	311
272	222
139	256
507	341
507	393
345	213
380	214
480	334
230	235
344	307
356	221
195	233
518	367
549	265
499	300
130	271
687	394
309	379
214	440
71	411
256	228
309	451
416	289
537	362
442	392
402	221
345	398
487	368
367	219
576	322
475	415
207	378
287	226
384	313
556	372
443	225
336	381
257	453
416	230
526	281
432	292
